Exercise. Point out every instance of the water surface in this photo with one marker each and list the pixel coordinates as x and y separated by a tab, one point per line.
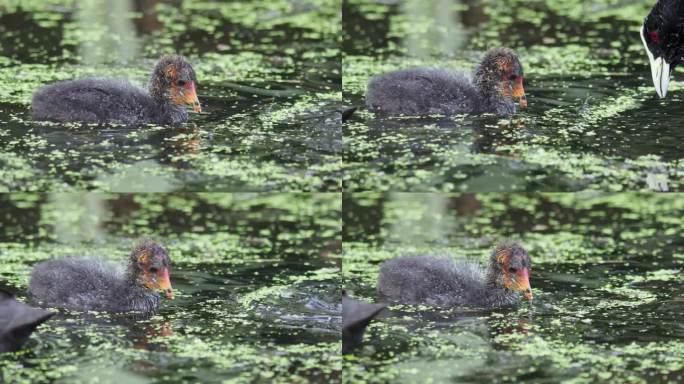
256	279
606	277
269	83
594	120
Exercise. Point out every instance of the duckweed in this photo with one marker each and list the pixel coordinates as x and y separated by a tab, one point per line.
593	122
256	278
606	277
271	101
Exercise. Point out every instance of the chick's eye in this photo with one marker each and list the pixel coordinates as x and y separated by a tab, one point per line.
512	269
180	83
513	77
153	269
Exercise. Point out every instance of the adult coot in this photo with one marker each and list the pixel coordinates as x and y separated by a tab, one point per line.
663	36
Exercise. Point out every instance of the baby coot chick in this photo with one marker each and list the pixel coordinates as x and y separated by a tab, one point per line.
171	88
444	282
356	315
663	36
496	83
18	321
99	285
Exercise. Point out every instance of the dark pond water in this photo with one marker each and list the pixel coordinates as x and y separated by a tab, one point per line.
256	279
606	277
594	120
269	83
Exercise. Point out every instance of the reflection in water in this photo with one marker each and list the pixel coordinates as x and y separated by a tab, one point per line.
489	139
147	149
145	336
179	141
110	28
517	325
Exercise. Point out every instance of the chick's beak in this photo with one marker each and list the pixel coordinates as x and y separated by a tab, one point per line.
187	95
518	92
162	282
522	282
660	70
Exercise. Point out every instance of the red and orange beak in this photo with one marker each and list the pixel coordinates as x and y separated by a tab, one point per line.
518	92
186	95
520	282
161	281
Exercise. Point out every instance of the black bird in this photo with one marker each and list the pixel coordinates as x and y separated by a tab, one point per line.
171	88
663	36
356	315
445	282
18	321
347	113
496	83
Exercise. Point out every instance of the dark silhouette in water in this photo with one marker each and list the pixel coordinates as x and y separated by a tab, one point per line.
347	113
18	321
497	81
663	36
445	282
172	87
356	315
99	285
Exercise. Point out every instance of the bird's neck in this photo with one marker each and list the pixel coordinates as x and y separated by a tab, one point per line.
498	295
488	87
491	95
493	278
164	110
159	95
133	275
